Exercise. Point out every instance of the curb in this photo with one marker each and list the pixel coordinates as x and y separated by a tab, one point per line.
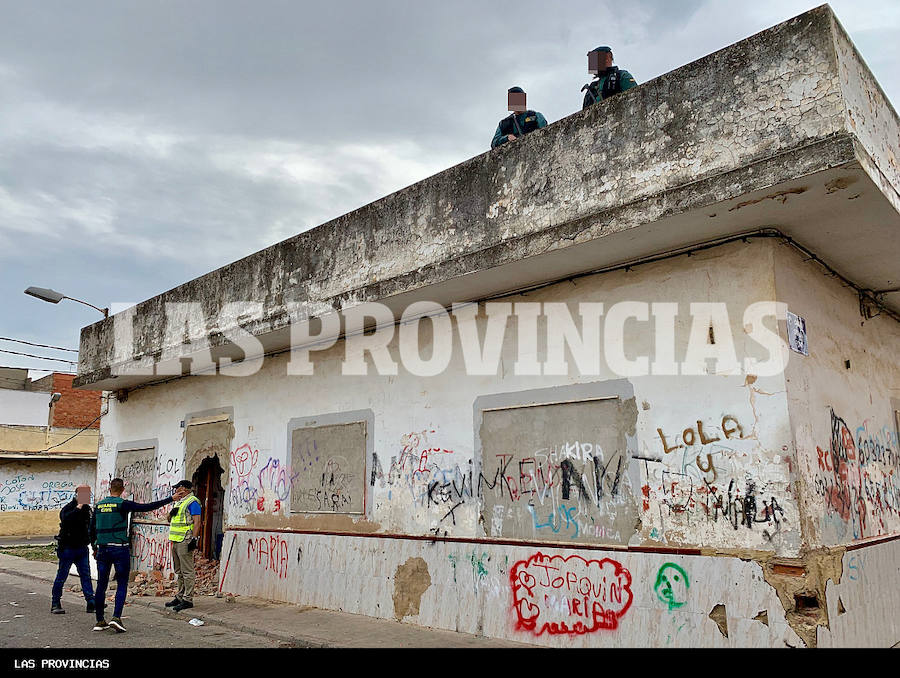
293	641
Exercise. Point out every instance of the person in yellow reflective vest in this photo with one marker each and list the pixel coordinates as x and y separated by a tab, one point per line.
184	527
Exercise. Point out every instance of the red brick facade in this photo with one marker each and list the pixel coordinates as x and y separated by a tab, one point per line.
75	409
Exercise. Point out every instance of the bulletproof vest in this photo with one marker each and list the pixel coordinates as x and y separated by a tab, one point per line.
112	525
611	85
509	125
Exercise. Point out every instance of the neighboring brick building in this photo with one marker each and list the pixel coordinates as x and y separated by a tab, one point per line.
46	449
75	409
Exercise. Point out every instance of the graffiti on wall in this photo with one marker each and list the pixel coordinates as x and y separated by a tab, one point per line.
557	486
857	477
672	584
23	491
258	484
428	476
574	596
560	471
330	465
700	480
150	547
270	554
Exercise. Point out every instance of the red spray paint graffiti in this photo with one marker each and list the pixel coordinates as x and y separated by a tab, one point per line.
570	595
269	552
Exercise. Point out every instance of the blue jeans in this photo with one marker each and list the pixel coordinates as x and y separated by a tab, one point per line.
107	558
67	557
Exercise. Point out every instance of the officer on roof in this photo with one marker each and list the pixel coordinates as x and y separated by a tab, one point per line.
609	79
522	121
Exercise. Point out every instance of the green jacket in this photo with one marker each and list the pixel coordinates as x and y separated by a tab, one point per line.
519	123
594	92
110	521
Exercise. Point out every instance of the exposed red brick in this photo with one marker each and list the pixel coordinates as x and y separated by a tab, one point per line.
75	409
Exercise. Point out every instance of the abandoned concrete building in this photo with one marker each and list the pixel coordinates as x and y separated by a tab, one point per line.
583	507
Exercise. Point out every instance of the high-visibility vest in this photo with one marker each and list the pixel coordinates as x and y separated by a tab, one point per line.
182	522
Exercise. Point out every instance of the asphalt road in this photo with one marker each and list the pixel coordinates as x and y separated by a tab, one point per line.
37	628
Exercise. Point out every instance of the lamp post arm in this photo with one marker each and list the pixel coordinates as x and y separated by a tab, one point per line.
104	311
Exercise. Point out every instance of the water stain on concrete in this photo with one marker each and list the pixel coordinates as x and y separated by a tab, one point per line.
411	580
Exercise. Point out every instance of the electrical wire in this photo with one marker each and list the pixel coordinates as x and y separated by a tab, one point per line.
22	341
96	419
38	357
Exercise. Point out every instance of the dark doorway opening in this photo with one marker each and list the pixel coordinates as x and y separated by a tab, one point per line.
208	488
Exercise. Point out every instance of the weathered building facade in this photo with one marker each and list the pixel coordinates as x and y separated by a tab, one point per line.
653	474
45	453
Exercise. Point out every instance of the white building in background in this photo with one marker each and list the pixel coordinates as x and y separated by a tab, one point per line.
47	449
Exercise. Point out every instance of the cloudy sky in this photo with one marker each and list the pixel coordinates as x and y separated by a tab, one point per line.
143	144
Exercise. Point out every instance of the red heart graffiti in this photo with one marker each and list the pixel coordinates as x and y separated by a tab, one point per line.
527	611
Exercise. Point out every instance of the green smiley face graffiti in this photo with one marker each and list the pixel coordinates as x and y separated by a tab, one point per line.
672	585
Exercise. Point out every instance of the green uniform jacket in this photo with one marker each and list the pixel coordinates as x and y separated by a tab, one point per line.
594	92
110	521
500	138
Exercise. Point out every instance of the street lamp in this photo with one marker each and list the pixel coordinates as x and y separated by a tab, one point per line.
53	400
55	297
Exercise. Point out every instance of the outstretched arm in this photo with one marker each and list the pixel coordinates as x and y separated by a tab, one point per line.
133	507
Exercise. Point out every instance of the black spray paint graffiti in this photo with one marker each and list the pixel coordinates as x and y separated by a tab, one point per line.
737	508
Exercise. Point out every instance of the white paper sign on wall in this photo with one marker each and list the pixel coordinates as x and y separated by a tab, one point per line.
796	327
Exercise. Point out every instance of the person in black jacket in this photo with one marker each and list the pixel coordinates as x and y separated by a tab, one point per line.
72	547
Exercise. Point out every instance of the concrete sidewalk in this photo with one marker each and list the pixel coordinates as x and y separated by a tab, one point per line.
290	624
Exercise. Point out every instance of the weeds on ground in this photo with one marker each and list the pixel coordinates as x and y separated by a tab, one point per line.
45	554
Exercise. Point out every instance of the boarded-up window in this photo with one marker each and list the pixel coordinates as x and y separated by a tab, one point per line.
328	465
138	469
557	473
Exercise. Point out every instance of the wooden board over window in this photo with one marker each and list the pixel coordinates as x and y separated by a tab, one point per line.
138	469
328	468
557	472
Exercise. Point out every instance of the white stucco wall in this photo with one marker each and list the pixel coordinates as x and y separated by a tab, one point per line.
423	434
24	408
33	492
414	414
843	417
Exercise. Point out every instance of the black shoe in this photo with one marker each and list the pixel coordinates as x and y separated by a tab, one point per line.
90	607
117	624
183	605
56	608
173	603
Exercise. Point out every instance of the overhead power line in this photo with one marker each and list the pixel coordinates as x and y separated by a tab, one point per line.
22	341
38	357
